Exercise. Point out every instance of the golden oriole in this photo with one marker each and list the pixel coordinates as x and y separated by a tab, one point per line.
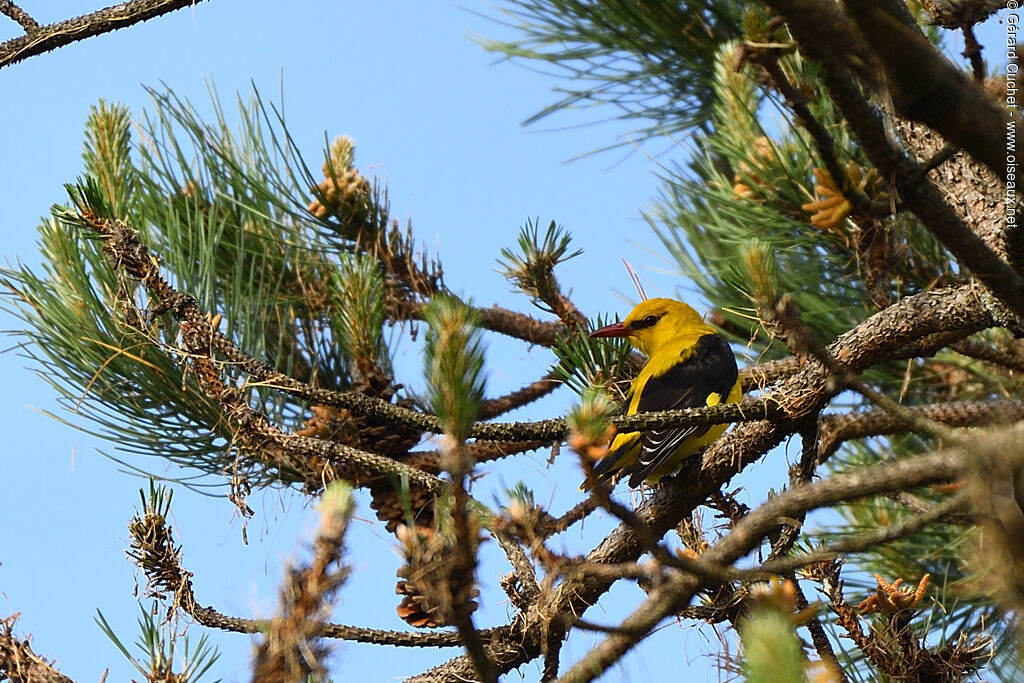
689	365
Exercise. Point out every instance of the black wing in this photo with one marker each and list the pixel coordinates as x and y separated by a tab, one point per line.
711	369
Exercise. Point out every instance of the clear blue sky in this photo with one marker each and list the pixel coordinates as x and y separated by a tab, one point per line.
439	121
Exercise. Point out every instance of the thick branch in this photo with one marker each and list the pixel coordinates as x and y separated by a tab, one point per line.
837	429
40	39
966	185
924	84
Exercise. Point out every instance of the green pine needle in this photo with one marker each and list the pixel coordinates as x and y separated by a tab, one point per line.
519	494
225	213
762	272
358	313
531	269
584	363
107	154
628	54
161	644
454	361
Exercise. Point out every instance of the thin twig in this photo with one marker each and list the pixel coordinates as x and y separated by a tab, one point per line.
789	530
577	513
600	492
822	645
464	562
516	399
207	616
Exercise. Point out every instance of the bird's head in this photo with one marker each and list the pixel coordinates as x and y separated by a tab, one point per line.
655	323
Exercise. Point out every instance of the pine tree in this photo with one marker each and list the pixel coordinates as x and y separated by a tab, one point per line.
834	190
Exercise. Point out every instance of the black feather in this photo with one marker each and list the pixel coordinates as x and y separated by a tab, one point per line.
711	369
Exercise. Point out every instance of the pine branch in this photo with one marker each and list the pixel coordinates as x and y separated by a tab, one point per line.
40	39
479	451
496	319
531	270
898	346
201	338
155	552
519	326
537	389
837	429
799	475
803	340
131	256
18	663
142	266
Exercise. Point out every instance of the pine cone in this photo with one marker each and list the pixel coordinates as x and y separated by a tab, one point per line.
387	504
424	580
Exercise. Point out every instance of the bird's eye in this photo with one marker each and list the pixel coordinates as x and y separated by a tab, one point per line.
650	321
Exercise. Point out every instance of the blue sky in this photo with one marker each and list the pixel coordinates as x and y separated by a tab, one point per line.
435	117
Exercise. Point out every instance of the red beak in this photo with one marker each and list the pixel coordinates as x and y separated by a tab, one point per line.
614	330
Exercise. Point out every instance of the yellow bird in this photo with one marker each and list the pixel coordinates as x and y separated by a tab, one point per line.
689	365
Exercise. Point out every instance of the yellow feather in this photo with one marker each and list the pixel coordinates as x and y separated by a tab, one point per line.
669	341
